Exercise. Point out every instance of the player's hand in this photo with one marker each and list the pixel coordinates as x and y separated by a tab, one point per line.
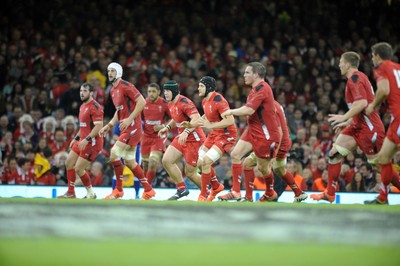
185	124
157	128
336	119
206	124
162	131
71	143
182	138
124	124
338	127
104	131
82	144
369	110
226	114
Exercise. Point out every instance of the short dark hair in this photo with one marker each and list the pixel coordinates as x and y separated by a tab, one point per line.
258	68
383	49
352	58
22	161
88	86
154	85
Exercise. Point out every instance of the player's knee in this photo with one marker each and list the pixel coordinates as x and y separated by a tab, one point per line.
265	171
335	157
154	158
279	165
235	156
384	159
130	163
338	153
248	164
166	161
117	152
211	156
190	171
79	170
250	161
69	164
145	159
280	171
207	162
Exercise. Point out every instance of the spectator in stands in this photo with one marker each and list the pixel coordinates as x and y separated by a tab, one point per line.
293	168
58	167
357	184
9	167
24	174
59	143
96	174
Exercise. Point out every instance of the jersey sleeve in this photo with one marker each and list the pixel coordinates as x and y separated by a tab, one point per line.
188	107
97	112
255	99
222	106
379	74
357	88
131	92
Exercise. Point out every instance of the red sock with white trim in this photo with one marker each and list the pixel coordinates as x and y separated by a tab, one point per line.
249	177
333	177
71	177
119	170
236	176
138	172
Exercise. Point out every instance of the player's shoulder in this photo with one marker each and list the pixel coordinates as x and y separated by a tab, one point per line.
390	65
96	104
126	83
183	99
262	86
218	97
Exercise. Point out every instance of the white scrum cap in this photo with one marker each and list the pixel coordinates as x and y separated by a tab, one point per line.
117	67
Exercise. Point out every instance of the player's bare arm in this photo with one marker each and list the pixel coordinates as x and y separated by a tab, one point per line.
98	125
183	136
140	103
194	123
76	138
227	120
356	108
110	125
167	127
242	111
381	94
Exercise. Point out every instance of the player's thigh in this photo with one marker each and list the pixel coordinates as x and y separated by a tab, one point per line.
71	159
190	170
264	165
155	157
171	155
250	161
387	151
118	150
82	163
213	155
346	141
241	149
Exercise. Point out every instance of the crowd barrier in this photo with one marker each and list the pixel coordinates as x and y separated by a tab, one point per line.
21	191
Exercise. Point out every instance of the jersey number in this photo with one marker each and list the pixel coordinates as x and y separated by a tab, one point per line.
396	73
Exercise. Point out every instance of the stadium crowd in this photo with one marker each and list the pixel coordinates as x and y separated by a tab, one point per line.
47	50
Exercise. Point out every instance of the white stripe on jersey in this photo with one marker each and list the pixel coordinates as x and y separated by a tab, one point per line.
373	140
369	124
196	136
398	132
266	132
